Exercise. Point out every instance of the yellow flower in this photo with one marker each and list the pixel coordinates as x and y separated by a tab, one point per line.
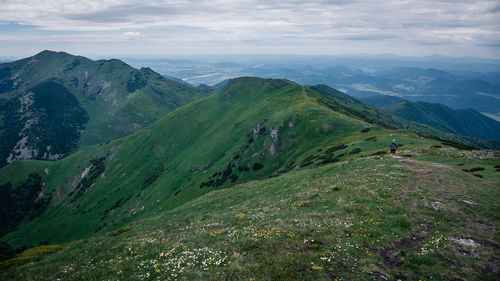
316	267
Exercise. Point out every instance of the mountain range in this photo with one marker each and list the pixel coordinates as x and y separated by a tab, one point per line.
466	122
457	83
265	179
53	103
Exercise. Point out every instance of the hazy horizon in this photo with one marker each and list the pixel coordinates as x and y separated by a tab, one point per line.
181	28
248	56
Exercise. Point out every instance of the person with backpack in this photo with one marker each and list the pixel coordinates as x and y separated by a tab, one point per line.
393	146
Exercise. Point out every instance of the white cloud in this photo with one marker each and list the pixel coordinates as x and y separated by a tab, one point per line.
289	24
131	35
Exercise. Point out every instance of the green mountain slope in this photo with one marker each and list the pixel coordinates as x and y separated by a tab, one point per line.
370	218
248	171
467	122
89	101
250	129
357	108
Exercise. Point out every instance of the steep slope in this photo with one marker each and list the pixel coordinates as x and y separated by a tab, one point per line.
251	129
373	218
357	108
44	122
90	101
467	122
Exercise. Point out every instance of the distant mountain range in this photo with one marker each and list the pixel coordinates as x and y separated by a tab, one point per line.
52	103
457	83
467	122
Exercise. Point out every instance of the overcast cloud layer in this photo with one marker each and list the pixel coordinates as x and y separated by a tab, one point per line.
170	27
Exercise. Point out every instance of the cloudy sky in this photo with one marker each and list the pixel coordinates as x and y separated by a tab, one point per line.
180	27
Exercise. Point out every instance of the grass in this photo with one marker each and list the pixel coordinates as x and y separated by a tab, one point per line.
460	159
164	165
155	211
353	220
114	110
31	255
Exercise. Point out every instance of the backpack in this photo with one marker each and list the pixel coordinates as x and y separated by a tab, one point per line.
393	145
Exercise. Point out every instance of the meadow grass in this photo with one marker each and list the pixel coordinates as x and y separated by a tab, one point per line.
354	220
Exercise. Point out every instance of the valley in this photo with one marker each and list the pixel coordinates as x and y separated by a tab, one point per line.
458	83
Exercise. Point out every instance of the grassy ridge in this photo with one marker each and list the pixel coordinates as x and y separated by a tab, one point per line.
241	184
251	129
355	107
359	220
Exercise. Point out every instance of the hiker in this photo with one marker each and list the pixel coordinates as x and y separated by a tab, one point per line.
393	146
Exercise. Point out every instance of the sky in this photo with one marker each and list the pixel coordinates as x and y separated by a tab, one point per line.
166	28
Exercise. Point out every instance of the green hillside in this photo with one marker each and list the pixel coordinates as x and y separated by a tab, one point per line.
52	103
466	122
266	147
370	218
250	129
354	107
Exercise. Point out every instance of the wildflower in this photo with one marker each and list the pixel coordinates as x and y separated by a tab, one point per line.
316	267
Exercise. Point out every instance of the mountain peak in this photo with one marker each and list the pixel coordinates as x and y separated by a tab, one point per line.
80	85
250	86
47	53
257	81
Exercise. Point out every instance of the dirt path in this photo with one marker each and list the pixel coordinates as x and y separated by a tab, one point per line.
434	181
447	194
305	94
